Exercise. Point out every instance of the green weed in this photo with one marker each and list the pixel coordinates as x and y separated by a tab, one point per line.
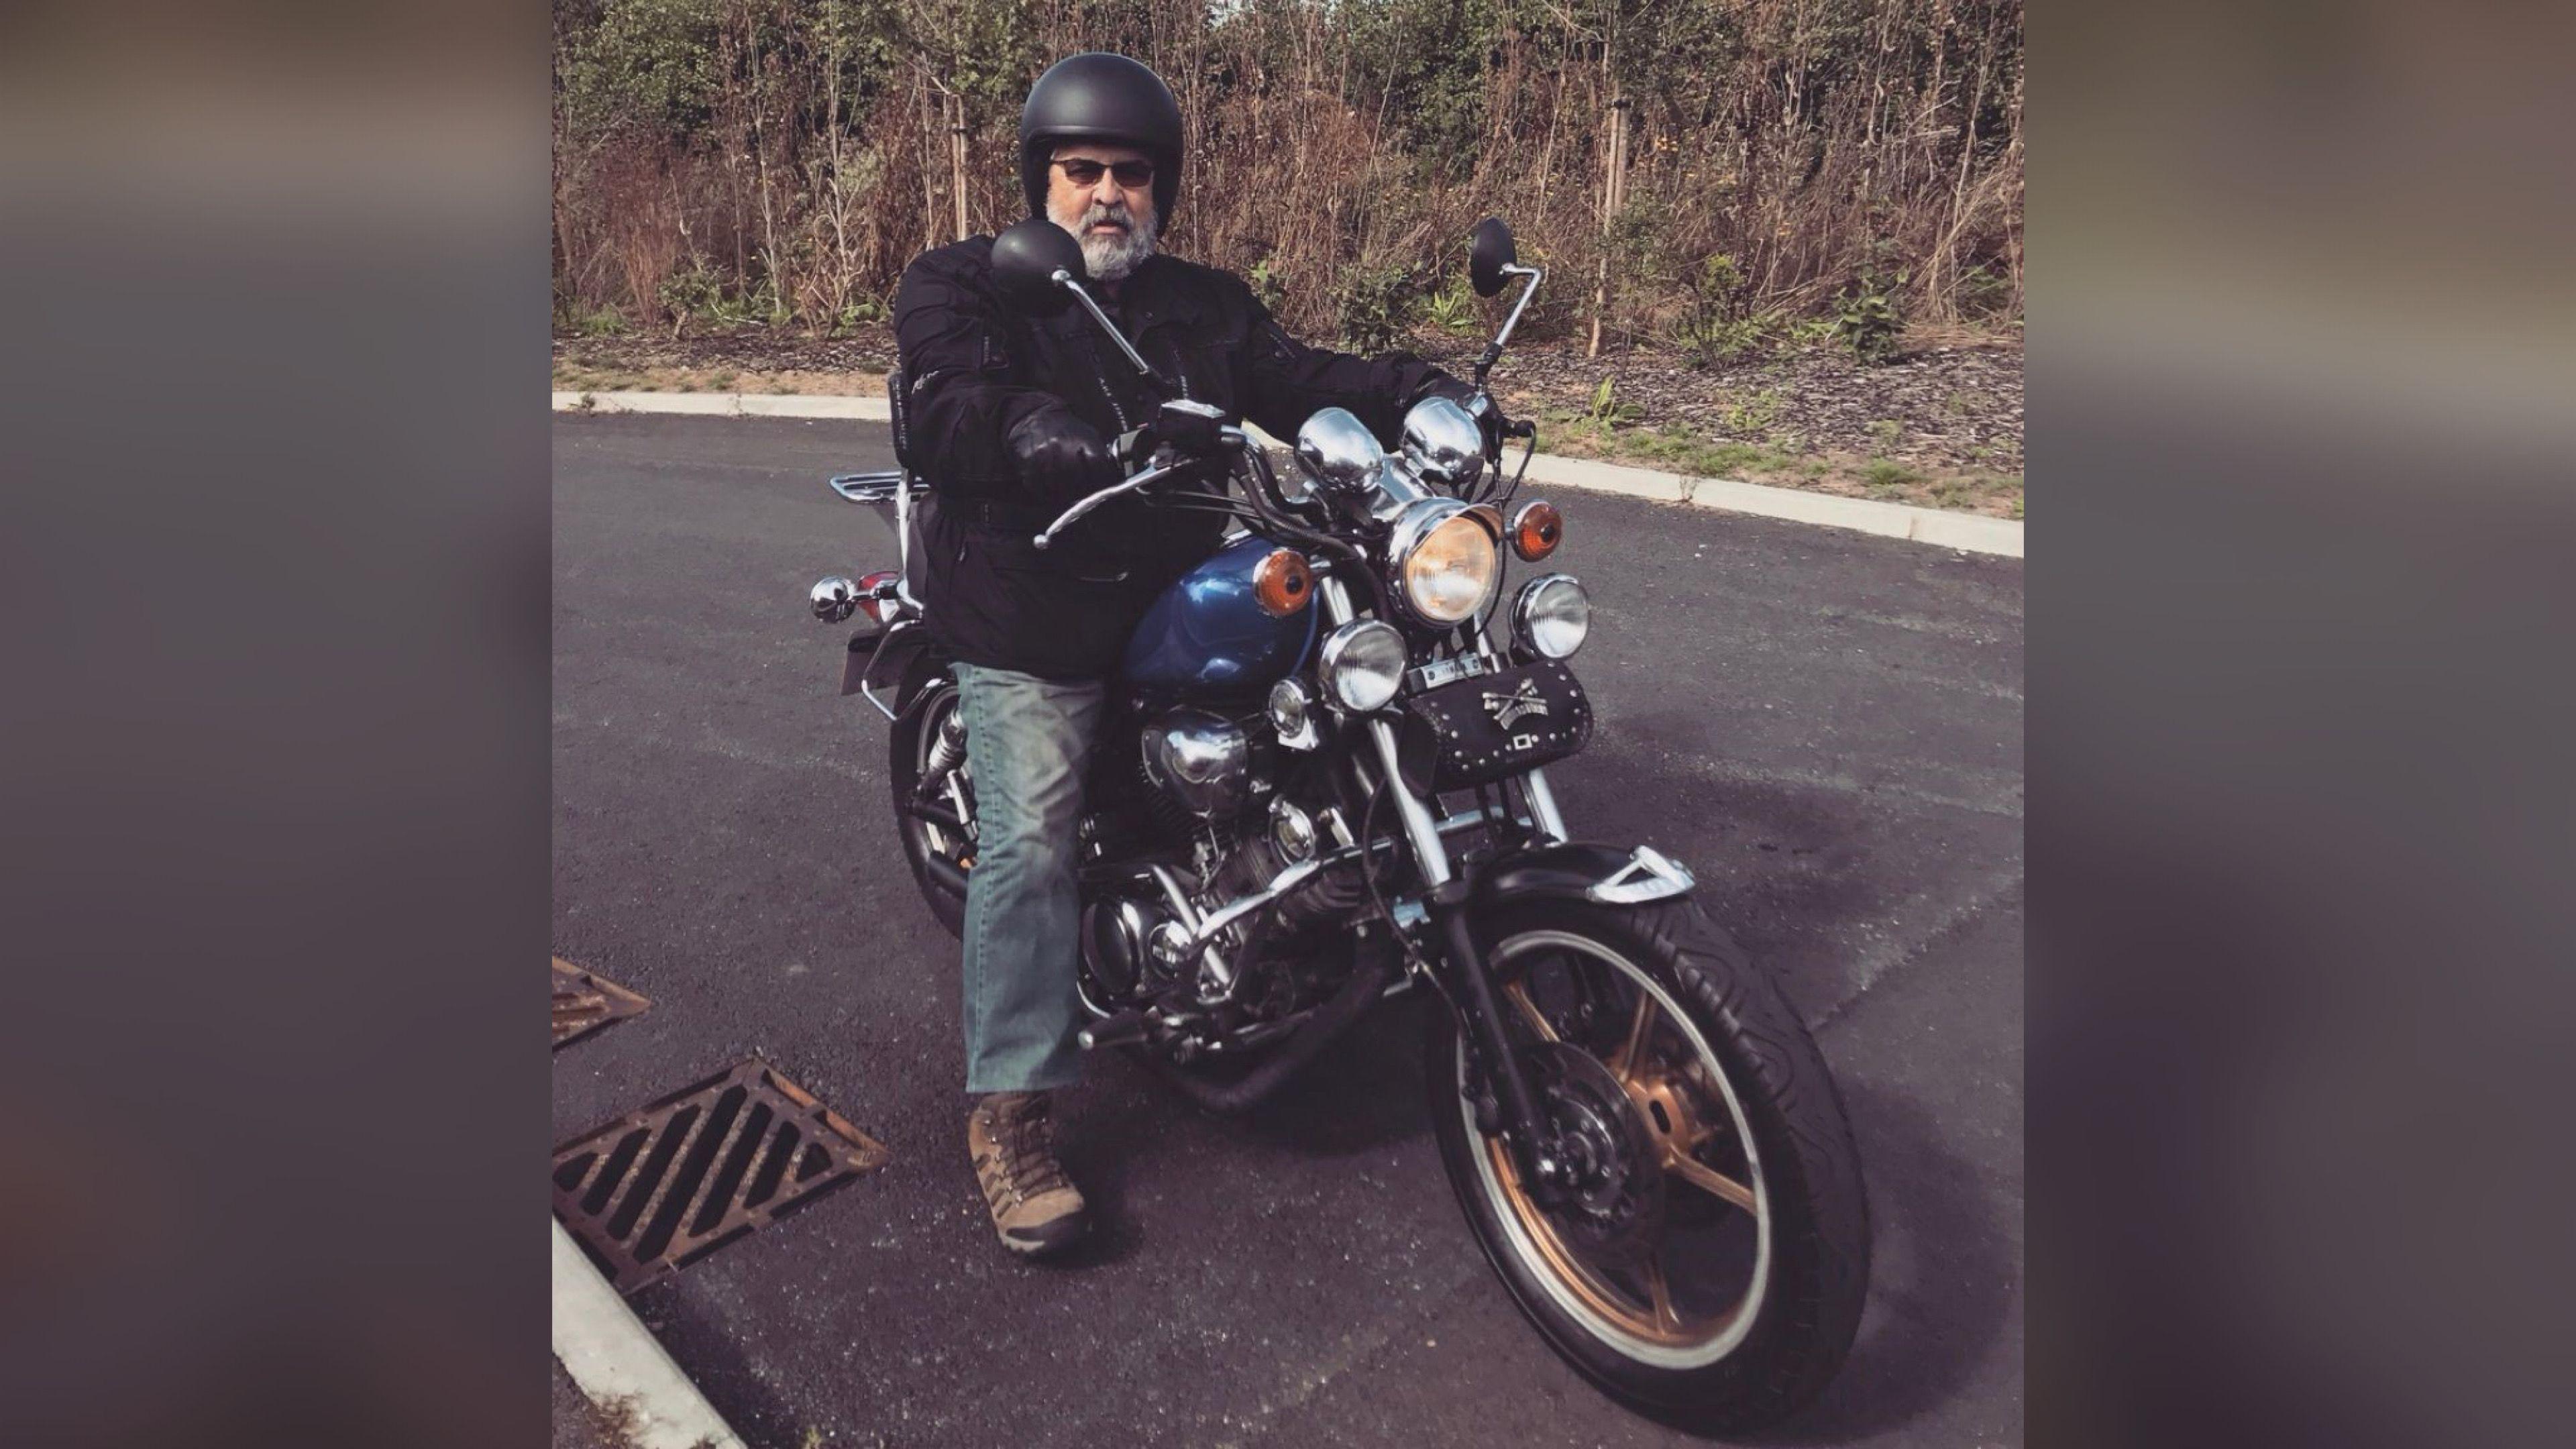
1453	310
1812	331
859	312
592	321
1266	286
1607	411
1984	291
1754	416
1886	478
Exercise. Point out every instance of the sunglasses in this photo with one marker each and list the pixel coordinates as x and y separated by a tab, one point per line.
1130	174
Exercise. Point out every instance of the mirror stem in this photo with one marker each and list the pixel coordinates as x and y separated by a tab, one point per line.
1495	349
1065	280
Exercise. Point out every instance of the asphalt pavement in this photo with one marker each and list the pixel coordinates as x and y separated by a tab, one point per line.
1827	727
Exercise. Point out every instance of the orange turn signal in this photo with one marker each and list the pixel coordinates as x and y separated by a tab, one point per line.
1282	583
1536	531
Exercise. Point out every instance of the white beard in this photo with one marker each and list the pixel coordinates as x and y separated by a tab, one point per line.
1111	258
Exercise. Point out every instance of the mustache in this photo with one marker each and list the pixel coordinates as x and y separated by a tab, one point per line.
1097	213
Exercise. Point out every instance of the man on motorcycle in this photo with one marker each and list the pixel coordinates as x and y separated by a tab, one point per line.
1009	419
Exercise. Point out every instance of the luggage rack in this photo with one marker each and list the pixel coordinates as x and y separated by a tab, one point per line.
890	491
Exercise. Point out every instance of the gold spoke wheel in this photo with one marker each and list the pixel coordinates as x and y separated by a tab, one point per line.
1681	1113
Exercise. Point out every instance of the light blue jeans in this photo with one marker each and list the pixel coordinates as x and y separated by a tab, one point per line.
1027	740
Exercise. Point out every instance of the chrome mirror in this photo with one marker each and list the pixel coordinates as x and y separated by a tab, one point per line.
1443	444
1338	451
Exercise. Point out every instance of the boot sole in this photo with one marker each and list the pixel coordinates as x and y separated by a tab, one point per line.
1051	1238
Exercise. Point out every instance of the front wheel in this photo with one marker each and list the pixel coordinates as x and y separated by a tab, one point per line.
1710	1267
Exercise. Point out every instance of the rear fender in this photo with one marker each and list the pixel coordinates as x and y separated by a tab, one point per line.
887	666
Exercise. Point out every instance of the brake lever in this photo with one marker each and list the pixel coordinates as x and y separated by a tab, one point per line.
1074	514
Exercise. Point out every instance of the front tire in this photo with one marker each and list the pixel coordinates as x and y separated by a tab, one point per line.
1713	1270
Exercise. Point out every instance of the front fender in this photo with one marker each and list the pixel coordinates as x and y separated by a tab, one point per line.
1603	874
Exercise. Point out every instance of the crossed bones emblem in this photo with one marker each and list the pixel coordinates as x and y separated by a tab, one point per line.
1509	709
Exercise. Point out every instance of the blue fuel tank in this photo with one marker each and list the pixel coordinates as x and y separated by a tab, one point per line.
1206	634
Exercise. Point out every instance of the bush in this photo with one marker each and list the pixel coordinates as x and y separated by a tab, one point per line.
1866	316
687	293
1716	326
1985	291
1374	306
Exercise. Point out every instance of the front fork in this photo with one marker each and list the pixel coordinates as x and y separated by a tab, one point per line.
1469	986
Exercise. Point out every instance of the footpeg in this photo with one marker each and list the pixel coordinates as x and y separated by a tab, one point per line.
1127	1028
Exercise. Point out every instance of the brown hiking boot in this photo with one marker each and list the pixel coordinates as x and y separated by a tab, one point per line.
1012	1140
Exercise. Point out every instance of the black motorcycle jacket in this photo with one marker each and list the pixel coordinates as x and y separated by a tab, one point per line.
972	369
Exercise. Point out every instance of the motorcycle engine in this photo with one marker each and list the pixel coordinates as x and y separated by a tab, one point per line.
1198	767
1212	784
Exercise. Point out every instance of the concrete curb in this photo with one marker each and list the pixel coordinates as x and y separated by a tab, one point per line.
1940	527
619	1366
729	404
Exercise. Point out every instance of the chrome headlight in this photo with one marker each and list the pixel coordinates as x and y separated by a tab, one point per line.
1362	663
1552	615
1443	443
1292	714
1338	451
1444	559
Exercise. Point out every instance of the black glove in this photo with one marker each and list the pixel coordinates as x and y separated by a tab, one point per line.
1060	457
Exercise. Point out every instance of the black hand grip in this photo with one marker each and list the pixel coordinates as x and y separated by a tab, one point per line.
1133	447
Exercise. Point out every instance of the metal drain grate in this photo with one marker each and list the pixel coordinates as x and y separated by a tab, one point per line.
584	1003
662	1187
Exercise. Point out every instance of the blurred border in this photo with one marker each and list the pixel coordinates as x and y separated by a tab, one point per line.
2300	370
275	568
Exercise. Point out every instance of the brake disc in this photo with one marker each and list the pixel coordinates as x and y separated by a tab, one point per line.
1618	1200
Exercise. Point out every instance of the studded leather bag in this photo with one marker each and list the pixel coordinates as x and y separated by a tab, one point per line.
1476	731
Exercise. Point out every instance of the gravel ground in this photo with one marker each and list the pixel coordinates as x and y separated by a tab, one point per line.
1952	406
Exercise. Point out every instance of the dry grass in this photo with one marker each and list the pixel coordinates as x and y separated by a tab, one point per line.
1898	154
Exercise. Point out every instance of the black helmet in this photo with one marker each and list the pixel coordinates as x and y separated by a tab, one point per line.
1101	97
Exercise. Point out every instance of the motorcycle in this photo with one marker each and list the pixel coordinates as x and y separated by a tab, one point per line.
1323	783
